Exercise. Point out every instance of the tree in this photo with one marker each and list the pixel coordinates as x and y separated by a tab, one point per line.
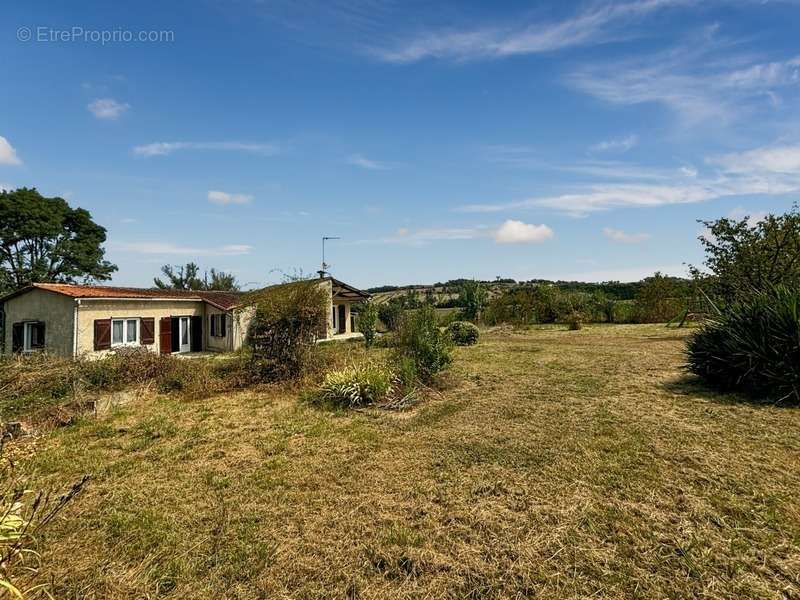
368	322
744	257
659	299
186	277
472	298
45	240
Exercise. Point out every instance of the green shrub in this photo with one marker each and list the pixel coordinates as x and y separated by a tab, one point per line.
753	346
463	333
390	314
356	385
368	322
419	338
574	321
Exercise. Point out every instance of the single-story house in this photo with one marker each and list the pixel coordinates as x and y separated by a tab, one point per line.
90	320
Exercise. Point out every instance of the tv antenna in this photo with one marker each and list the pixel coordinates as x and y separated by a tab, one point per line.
325	265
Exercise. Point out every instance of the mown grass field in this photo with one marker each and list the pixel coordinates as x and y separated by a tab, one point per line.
556	464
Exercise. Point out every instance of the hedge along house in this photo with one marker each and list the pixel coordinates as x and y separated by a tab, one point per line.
79	320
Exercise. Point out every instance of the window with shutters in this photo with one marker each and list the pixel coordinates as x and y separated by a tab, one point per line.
124	332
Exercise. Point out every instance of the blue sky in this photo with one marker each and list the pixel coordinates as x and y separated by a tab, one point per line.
468	139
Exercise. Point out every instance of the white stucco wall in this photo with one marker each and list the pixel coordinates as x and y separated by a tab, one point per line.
90	310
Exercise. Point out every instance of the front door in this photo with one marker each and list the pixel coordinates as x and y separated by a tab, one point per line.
342	322
185	344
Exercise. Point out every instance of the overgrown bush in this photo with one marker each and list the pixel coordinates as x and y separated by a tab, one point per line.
753	346
419	339
390	314
287	320
33	383
574	321
356	385
463	333
368	322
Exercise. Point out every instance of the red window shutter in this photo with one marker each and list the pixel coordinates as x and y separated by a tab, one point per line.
102	334
147	335
165	335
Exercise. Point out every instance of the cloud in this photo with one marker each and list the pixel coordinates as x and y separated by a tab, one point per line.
775	159
598	24
166	248
762	171
107	108
616	145
165	148
517	232
510	232
753	216
225	198
358	160
621	237
8	155
702	81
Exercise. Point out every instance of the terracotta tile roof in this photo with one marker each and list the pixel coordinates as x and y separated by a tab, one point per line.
221	300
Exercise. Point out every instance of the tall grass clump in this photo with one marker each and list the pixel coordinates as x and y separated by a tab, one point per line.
356	385
23	514
752	346
421	346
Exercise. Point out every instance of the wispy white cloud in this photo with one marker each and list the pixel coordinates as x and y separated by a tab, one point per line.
8	155
509	232
170	249
359	160
772	159
107	108
763	171
621	237
752	216
225	198
598	24
165	148
517	232
616	145
703	80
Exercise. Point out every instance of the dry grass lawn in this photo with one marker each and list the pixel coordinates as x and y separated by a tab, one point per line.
556	464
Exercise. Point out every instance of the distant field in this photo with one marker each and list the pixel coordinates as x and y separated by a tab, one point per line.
556	464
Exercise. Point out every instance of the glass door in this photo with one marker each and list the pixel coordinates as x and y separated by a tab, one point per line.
185	334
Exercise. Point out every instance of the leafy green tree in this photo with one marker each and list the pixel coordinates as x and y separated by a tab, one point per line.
472	298
659	299
44	239
368	322
187	277
743	257
222	281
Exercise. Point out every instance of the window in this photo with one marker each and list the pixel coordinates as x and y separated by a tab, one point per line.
28	336
124	332
217	325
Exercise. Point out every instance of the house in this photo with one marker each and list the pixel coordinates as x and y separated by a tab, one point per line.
90	320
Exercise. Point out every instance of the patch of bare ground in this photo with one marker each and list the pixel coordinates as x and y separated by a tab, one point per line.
558	464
